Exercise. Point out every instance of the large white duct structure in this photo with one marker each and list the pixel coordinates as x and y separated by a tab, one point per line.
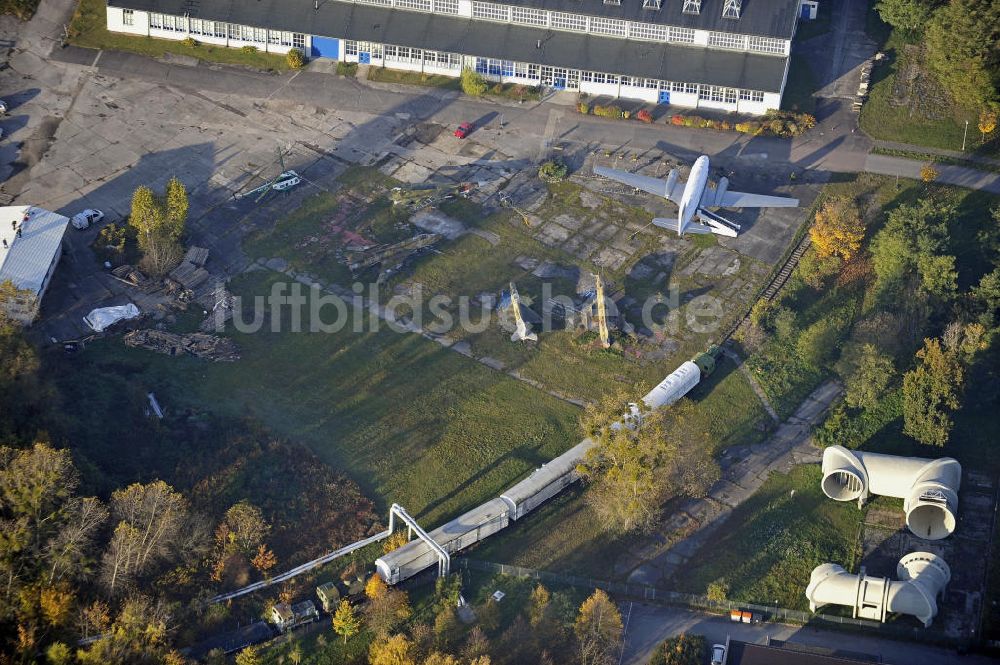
929	488
922	577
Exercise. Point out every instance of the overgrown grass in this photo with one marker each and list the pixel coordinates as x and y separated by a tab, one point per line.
412	422
923	113
89	29
771	542
386	75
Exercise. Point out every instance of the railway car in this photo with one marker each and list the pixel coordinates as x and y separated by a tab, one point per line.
546	481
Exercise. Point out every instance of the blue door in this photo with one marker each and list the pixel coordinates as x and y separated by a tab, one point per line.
559	83
365	58
664	96
806	12
325	47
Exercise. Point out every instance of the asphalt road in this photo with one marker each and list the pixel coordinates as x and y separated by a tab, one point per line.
649	625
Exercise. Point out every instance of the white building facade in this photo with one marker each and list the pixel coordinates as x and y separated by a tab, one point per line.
704	53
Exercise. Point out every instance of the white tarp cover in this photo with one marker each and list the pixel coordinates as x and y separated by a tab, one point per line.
103	317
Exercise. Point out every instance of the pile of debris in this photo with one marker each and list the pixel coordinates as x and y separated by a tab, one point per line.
199	345
191	272
134	277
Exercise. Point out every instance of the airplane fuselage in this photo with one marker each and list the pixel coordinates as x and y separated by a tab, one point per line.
693	192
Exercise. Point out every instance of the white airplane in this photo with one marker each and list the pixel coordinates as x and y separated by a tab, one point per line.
695	197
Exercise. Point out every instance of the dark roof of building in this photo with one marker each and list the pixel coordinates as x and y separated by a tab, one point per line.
668	62
765	18
744	653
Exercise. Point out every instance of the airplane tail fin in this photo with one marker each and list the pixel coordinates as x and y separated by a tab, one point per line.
522	334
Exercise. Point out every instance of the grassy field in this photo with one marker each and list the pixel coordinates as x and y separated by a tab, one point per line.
22	9
410	421
386	75
772	542
89	29
563	534
906	104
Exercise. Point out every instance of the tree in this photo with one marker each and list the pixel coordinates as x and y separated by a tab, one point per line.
473	83
718	590
446	627
683	649
58	653
438	658
538	608
987	297
295	653
837	229
346	621
963	50
375	587
930	394
598	629
928	173
395	650
870	378
149	521
387	610
243	527
176	208
159	226
489	615
264	560
902	249
248	656
295	59
394	541
987	122
634	469
476	645
55	604
137	637
819	342
909	16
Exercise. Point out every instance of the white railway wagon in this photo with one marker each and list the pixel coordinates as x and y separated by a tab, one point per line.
677	384
546	481
453	536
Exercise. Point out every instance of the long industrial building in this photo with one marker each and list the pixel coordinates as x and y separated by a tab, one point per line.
728	55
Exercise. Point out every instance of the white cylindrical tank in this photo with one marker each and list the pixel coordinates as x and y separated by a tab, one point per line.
922	578
929	488
677	384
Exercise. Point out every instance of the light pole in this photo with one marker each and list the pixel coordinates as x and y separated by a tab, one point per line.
965	135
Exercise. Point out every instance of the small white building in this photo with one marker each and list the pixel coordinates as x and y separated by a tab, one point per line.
30	248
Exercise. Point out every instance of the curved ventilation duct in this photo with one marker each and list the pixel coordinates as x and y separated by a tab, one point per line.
929	488
922	577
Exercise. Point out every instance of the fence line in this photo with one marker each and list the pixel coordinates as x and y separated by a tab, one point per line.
654	594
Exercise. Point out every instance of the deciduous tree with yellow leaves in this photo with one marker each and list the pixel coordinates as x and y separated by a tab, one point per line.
837	229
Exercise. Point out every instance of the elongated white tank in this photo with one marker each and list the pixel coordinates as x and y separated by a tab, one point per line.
929	488
922	577
677	384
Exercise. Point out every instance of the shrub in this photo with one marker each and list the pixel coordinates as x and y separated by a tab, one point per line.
249	48
644	116
295	59
347	68
189	42
583	107
473	83
677	120
553	171
609	111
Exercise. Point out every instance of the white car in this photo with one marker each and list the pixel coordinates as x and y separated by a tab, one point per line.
83	220
3	107
718	654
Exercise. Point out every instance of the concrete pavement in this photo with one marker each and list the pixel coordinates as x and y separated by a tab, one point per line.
649	625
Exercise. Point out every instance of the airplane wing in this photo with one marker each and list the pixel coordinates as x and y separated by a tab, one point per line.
668	189
745	200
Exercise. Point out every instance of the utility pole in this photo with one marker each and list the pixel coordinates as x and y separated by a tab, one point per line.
965	135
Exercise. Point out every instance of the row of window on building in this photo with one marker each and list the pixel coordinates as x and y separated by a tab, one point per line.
542	74
220	29
571	22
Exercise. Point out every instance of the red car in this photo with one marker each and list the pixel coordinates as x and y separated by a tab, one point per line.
463	130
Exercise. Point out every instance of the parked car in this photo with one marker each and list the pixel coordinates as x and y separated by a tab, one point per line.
3	107
463	130
718	654
83	220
